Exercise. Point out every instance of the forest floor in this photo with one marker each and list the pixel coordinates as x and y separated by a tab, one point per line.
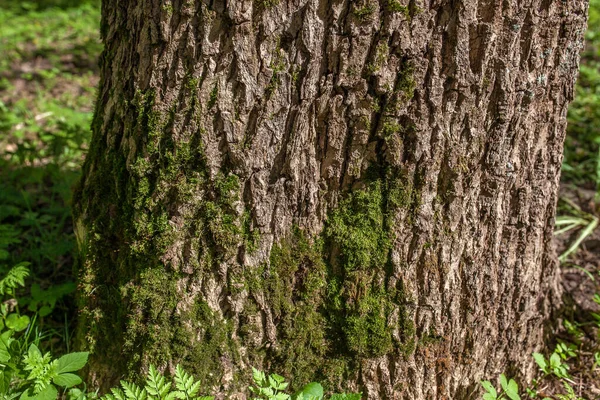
48	79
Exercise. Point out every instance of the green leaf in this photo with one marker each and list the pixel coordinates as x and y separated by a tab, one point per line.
44	311
185	382
17	323
555	360
313	389
156	384
33	352
487	385
72	362
133	391
76	394
4	355
489	396
541	361
258	377
503	382
118	394
48	393
67	380
512	391
277	378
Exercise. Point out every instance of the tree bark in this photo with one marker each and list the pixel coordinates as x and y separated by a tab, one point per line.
361	192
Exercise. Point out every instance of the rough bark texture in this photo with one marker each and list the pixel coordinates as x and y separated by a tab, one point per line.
361	192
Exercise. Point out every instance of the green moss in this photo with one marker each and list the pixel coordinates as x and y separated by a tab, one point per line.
218	219
151	325
365	121
397	7
403	90
192	83
352	71
390	128
168	8
365	12
405	81
125	266
211	342
214	94
296	73
328	295
221	225
294	284
367	328
407	333
357	228
251	236
430	339
278	66
360	305
227	188
381	56
266	3
398	195
375	106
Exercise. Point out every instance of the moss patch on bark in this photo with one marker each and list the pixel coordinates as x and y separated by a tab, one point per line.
328	295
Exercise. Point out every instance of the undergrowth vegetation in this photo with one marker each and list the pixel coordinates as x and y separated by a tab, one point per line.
48	74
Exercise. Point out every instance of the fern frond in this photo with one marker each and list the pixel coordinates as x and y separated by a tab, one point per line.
14	278
156	384
185	382
117	394
133	391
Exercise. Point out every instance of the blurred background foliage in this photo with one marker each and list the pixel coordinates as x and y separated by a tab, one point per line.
48	75
581	165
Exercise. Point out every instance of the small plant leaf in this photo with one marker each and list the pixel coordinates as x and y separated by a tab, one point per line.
512	390
540	360
67	380
503	382
72	362
17	323
48	393
312	390
487	385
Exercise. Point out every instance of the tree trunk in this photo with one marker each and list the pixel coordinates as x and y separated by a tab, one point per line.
361	192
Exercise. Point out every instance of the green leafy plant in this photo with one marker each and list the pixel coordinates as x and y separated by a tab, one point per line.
272	387
565	350
11	318
45	374
157	387
42	301
25	371
269	387
554	365
509	390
